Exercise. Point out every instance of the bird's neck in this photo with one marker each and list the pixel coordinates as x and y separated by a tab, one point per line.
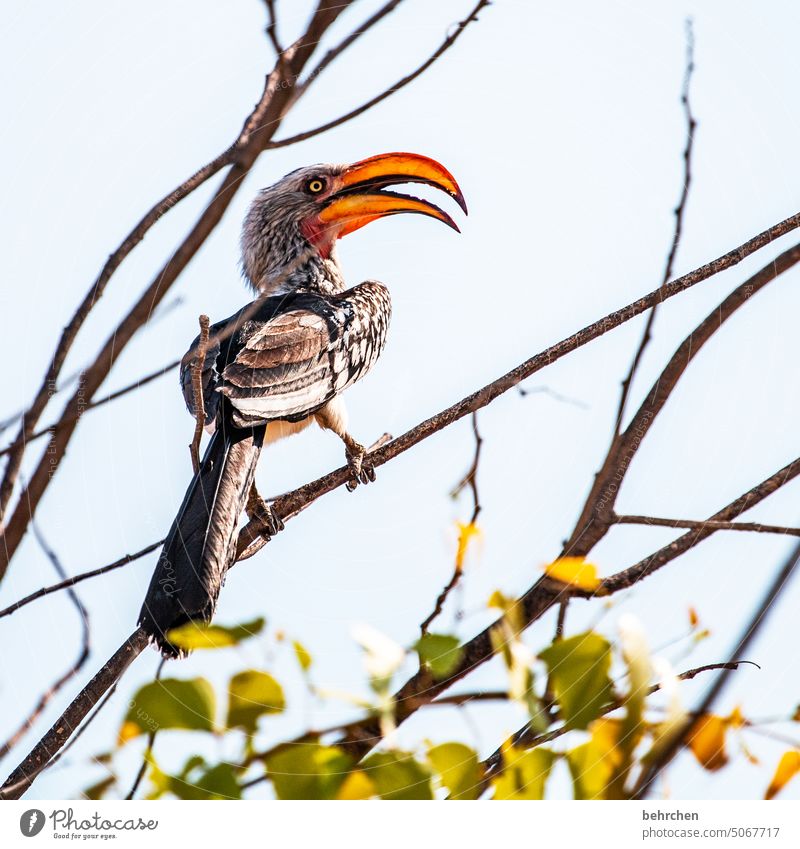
294	265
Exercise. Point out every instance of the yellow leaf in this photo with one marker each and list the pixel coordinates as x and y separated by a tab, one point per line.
128	731
736	719
694	619
788	767
593	764
465	534
707	742
575	572
357	785
500	602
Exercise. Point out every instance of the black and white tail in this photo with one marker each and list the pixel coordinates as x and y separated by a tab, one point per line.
201	543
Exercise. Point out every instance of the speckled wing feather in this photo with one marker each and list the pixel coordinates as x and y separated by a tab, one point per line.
291	357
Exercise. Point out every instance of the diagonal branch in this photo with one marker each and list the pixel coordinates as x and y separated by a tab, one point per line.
73	670
421	688
778	585
292	503
597	515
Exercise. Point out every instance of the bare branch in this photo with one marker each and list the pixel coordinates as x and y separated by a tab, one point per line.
596	516
401	83
73	670
55	739
644	568
347	42
83	576
691	125
758	527
470	480
32	415
272	28
197	391
131	387
779	584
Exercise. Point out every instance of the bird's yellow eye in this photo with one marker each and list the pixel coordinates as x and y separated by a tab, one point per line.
315	185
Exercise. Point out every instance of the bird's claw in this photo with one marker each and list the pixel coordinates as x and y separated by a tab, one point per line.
361	469
258	509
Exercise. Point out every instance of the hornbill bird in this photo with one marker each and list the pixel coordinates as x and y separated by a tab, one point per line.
281	363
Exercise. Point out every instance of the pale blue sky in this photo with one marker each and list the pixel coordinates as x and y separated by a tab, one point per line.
563	126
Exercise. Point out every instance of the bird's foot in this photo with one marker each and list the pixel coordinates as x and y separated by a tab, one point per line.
258	510
361	468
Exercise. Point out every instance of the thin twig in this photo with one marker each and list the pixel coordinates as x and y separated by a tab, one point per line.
348	41
83	576
758	527
665	756
119	393
74	669
527	738
470	479
449	41
556	396
148	751
197	390
691	125
272	28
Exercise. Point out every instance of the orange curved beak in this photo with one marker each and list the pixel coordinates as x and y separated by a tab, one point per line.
362	196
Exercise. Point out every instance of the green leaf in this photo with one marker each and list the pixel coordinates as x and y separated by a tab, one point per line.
196	782
194	635
441	653
303	656
578	668
308	771
169	703
524	774
252	694
397	775
458	769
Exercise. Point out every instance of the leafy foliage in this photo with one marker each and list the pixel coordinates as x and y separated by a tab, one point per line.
600	731
170	703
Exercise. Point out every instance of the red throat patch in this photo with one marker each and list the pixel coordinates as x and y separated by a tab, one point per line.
319	235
